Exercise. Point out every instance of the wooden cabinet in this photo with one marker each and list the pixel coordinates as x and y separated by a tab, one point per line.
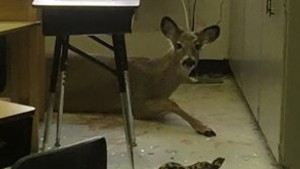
20	28
15	132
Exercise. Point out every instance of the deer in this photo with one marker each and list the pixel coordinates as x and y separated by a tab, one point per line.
155	79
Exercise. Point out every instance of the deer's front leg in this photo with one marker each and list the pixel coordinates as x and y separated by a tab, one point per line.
165	105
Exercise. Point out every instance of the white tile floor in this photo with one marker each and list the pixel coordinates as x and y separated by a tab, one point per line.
218	105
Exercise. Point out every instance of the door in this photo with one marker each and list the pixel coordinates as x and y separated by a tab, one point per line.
272	73
252	53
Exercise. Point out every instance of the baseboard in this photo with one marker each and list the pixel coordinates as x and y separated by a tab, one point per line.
211	71
212	66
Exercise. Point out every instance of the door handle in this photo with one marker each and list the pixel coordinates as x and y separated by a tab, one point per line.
269	8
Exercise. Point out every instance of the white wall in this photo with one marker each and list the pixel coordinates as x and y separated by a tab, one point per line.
147	40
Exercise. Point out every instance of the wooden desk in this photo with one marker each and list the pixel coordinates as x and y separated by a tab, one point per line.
10	111
86	3
21	31
12	26
15	132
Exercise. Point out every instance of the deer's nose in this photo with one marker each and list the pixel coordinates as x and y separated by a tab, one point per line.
189	62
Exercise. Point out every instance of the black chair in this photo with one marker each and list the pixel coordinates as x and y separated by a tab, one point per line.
89	154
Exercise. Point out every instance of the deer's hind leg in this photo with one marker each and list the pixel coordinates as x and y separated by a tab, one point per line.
159	106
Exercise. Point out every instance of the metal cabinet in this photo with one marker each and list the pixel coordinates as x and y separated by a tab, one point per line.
272	74
259	65
252	53
266	67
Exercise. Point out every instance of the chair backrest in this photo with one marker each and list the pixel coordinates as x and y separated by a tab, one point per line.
89	154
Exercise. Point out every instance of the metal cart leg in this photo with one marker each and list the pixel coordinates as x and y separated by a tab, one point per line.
122	70
52	89
63	74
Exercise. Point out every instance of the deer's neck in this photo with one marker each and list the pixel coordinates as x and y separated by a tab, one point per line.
162	76
167	63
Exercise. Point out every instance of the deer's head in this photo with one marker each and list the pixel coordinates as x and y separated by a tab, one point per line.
187	45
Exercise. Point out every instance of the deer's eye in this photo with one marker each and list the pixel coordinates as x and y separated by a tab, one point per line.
197	46
178	45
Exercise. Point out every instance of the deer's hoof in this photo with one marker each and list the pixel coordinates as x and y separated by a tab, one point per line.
208	133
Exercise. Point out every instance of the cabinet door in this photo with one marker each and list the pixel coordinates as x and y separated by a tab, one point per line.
252	53
271	76
245	47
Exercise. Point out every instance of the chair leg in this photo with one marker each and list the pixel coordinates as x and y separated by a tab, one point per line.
52	90
63	75
123	78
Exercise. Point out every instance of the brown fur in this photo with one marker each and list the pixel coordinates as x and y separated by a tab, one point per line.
156	79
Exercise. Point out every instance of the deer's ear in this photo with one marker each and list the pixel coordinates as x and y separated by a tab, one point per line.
209	34
169	28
